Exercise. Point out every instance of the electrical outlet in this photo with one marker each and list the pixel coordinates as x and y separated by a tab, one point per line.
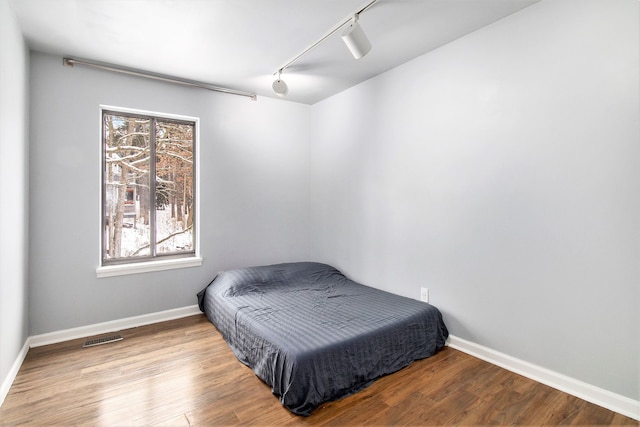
424	294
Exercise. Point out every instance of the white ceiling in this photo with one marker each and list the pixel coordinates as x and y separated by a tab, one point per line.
240	44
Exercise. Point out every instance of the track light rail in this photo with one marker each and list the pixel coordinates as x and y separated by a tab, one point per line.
331	32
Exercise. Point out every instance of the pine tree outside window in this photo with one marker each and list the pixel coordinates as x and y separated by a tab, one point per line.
148	187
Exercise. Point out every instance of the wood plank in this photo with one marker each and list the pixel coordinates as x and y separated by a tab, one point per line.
183	373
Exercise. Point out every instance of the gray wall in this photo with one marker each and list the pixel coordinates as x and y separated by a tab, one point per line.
14	64
501	172
254	160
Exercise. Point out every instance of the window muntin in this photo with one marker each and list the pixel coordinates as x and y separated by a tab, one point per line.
144	218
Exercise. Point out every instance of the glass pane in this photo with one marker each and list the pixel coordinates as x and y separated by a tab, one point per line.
126	186
174	187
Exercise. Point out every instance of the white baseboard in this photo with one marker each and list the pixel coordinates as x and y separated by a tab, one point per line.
112	326
598	396
13	372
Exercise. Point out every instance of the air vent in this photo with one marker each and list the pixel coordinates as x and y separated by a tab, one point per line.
103	340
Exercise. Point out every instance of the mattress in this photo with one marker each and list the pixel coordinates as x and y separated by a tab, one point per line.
314	335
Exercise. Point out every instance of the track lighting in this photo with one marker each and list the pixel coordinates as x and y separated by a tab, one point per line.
353	36
279	86
355	39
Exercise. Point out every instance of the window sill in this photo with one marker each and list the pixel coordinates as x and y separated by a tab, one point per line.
146	267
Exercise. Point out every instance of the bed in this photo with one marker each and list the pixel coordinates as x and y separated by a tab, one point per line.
312	334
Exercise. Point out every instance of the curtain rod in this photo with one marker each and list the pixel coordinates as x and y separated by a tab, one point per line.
70	62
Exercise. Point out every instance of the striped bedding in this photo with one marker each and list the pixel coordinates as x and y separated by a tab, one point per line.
315	336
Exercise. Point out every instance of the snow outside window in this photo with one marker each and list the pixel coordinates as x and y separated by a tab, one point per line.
148	187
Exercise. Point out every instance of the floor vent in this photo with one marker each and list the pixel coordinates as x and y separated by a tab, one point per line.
103	340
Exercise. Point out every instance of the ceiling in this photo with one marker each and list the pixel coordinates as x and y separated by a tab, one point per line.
240	44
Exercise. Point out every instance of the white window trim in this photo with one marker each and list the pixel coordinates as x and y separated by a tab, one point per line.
147	266
157	264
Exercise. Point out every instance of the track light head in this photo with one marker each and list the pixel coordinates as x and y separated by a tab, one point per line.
279	86
355	39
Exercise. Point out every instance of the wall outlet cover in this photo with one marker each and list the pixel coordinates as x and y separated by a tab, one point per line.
424	294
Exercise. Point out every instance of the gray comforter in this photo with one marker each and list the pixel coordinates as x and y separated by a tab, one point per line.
315	336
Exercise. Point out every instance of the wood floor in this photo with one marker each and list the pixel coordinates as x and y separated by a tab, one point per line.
182	373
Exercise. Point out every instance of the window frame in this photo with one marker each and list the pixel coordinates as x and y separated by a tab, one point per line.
152	262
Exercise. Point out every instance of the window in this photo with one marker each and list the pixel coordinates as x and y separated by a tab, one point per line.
148	187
